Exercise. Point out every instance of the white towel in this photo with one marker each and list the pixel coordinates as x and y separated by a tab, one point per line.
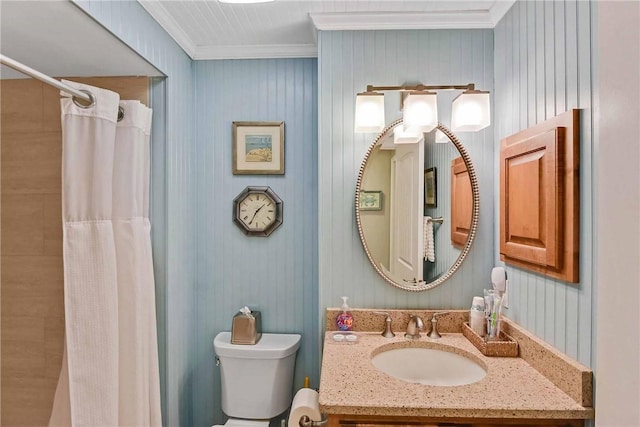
429	247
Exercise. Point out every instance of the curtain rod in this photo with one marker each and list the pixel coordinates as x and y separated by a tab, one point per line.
43	78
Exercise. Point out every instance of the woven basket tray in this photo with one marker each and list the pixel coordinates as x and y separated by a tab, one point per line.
504	347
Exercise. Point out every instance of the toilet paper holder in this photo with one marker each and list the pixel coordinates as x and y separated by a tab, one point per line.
305	421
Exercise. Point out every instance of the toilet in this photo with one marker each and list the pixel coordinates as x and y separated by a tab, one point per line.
256	380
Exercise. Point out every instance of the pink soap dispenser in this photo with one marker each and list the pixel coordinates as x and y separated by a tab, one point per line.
344	321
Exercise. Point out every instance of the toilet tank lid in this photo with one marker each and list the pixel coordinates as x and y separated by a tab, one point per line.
270	346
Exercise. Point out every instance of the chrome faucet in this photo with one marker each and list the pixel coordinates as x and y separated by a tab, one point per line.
414	327
434	334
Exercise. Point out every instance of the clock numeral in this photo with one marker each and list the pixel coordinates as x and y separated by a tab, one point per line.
246	217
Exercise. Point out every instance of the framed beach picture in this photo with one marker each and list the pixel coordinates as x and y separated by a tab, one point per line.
430	188
371	200
258	148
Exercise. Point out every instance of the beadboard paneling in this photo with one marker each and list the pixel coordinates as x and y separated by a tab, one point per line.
348	61
278	274
543	67
173	190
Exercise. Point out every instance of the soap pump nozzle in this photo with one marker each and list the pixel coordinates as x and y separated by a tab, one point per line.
345	305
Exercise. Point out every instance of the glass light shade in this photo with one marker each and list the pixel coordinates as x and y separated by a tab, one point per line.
369	112
470	111
441	138
420	111
402	136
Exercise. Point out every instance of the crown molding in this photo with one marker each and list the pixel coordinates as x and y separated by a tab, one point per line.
401	20
166	21
256	51
499	9
467	19
485	18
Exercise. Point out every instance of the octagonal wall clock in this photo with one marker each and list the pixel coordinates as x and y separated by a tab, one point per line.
257	211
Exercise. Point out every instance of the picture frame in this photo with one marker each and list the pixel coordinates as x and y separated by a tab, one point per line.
258	148
371	200
430	188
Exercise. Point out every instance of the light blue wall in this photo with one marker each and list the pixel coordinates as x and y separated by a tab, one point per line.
276	275
543	67
348	61
173	192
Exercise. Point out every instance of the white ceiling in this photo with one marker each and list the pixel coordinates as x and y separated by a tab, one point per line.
207	29
57	38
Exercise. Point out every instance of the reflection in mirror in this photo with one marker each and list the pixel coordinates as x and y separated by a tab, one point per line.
417	208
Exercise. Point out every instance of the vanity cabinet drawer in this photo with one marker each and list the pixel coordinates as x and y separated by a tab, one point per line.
375	421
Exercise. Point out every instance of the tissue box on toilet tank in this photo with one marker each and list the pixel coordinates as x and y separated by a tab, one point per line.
246	328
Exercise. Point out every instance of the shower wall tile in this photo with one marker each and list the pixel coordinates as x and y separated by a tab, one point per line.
53	345
24	328
52	225
31	161
23	231
21	116
22	358
30	395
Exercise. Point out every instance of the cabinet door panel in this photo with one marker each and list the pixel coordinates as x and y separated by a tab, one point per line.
461	202
532	199
539	198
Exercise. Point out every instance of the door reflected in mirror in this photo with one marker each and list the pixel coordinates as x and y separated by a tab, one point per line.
409	236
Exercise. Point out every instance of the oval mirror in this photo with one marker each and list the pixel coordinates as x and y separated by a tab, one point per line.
417	208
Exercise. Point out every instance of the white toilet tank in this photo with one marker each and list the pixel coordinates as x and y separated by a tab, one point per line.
257	380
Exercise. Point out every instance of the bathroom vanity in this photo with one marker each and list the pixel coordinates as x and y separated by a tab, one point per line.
541	387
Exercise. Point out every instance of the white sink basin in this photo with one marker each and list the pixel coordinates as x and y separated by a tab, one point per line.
428	366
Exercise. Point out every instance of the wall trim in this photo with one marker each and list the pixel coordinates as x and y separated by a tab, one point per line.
255	51
166	21
401	20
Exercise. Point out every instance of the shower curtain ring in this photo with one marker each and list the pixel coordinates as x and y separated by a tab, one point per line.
82	103
120	113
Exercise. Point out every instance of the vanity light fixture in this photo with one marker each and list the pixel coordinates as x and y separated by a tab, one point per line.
369	112
404	136
420	112
471	109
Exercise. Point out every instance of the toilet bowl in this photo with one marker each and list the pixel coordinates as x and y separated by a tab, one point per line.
256	380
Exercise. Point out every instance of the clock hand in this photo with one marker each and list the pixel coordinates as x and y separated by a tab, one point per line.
256	213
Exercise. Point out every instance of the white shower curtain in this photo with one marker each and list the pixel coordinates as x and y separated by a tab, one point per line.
110	374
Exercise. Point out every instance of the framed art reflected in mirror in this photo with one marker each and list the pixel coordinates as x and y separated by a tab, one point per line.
430	188
371	200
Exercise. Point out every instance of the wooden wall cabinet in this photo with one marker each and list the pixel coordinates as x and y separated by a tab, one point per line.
461	203
539	198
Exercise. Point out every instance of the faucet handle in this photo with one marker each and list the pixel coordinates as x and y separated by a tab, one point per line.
387	333
434	334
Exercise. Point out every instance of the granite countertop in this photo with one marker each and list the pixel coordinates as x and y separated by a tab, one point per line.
351	385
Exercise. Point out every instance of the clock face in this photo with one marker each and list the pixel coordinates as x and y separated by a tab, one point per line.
257	211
